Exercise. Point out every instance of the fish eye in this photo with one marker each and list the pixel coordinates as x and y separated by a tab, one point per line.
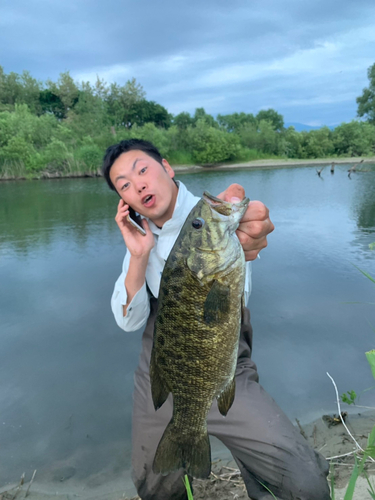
197	223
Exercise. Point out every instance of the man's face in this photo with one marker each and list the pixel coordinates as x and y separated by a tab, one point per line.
145	185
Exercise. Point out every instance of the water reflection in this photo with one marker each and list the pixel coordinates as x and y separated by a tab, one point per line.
36	214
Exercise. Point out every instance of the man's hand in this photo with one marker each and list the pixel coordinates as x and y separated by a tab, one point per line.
137	244
255	225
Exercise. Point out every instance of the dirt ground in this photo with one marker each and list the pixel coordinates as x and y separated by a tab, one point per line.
331	440
324	434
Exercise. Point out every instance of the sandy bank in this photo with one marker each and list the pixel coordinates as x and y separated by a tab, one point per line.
256	164
225	482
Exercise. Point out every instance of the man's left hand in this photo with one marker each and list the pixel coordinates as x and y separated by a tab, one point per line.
255	225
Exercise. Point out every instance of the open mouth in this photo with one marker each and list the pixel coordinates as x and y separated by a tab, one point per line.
148	200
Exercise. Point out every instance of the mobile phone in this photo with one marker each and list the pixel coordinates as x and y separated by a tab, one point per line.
135	221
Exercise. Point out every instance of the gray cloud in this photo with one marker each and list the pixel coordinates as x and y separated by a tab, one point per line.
308	60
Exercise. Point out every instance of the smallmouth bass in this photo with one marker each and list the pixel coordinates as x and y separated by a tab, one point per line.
196	333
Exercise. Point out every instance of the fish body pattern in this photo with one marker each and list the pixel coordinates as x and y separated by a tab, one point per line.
196	334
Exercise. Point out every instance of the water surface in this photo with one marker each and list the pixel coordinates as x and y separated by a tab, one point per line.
66	370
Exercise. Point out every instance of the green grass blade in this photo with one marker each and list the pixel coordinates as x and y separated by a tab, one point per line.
188	489
269	491
365	274
353	479
371	438
371	490
370	355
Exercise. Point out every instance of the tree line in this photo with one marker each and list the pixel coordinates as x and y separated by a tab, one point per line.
64	127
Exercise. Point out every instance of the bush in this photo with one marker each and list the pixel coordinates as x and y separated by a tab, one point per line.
56	156
90	155
211	145
158	136
354	138
19	151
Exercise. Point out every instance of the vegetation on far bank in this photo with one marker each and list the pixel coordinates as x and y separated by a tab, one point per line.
63	128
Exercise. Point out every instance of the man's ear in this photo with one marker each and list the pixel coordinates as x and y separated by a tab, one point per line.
168	168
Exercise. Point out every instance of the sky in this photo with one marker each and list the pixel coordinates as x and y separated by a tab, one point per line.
308	59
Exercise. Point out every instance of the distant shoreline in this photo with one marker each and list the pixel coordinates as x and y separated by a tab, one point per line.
260	164
181	169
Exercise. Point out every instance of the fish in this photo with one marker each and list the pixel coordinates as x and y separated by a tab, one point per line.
196	333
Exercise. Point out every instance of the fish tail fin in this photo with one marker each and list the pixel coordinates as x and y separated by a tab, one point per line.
175	451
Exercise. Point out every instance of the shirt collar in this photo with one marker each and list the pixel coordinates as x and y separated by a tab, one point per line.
184	203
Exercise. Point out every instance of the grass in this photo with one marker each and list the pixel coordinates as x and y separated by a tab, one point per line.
188	489
369	451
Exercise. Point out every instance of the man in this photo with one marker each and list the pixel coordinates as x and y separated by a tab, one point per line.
269	450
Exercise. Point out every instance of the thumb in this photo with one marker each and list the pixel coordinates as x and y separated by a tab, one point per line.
233	191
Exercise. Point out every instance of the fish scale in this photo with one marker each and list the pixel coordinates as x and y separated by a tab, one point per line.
197	331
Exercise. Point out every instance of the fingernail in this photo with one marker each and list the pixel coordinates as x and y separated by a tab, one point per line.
234	199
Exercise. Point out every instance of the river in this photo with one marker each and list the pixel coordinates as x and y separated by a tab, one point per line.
66	369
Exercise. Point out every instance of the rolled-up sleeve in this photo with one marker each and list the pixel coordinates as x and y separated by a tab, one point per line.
139	308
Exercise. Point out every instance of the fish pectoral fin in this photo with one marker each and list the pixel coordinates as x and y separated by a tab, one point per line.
217	302
226	398
159	391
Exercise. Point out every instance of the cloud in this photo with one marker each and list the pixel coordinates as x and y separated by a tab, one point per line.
223	56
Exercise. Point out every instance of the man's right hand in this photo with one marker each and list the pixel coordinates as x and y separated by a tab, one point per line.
137	244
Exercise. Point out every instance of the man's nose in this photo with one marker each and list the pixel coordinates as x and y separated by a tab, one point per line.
141	186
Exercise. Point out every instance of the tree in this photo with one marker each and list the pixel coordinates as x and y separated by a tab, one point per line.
66	90
366	102
51	103
234	122
200	114
273	117
183	120
30	93
354	138
121	101
10	90
149	111
317	143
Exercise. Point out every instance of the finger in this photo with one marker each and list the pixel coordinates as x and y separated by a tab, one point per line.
256	228
251	255
121	217
256	210
233	191
250	244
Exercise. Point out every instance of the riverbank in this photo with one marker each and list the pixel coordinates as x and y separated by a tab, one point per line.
332	441
264	164
181	169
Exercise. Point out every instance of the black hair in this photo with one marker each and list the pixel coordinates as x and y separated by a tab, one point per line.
113	152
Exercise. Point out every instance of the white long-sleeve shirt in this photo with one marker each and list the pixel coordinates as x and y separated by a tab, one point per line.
139	308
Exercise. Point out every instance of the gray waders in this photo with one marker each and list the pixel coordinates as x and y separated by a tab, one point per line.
265	444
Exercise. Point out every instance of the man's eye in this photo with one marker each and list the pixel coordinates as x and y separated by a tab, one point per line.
125	185
143	170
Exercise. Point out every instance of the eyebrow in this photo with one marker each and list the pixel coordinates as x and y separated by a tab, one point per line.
133	167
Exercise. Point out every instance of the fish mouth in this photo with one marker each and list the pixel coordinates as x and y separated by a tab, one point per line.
225	207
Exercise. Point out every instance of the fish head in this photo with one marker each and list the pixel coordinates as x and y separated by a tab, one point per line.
214	246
